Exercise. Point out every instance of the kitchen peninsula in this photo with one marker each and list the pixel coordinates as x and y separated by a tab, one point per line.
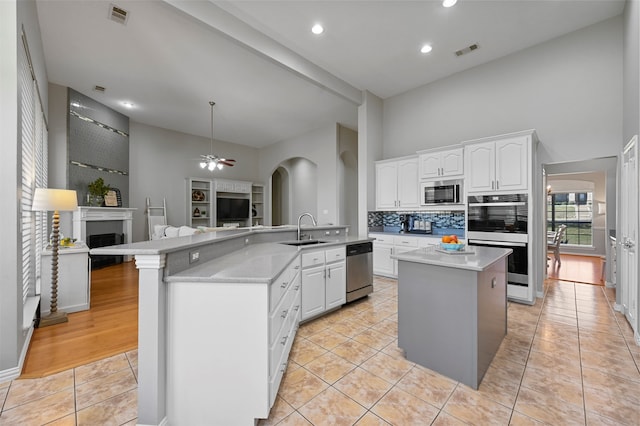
452	309
218	313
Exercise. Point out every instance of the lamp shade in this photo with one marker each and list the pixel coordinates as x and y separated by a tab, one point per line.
47	199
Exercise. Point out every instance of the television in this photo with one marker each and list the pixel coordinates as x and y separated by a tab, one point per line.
232	208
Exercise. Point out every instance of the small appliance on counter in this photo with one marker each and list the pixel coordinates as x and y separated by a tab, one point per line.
411	225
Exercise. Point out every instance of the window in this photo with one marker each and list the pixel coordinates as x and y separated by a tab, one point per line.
573	209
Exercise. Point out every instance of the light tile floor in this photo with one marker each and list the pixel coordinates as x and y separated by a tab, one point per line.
569	359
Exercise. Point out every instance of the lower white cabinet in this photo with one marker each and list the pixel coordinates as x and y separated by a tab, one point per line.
324	281
386	245
74	279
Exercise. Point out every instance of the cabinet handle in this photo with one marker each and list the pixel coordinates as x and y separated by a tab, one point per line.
296	287
497	184
315	259
284	284
493	184
297	267
329	272
284	340
296	308
284	313
284	367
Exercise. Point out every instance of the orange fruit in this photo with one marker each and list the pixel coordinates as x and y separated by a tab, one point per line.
453	239
446	239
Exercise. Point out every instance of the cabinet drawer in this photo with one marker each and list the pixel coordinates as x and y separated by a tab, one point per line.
279	366
405	241
282	343
312	259
280	285
285	308
335	255
382	239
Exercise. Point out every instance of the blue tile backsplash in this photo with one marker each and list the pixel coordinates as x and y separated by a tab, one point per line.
383	221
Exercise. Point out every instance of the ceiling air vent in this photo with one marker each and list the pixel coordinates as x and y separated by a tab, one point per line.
467	49
99	89
118	14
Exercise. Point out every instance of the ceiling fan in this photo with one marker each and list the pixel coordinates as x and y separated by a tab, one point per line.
212	161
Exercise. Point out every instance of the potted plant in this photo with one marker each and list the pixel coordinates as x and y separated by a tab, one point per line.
97	191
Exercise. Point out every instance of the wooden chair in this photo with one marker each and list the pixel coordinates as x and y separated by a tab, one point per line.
553	245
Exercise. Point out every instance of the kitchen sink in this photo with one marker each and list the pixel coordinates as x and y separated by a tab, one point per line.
303	242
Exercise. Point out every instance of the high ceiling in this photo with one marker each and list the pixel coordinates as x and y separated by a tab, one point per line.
270	77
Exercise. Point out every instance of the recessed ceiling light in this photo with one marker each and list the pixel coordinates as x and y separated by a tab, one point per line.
317	29
127	104
449	3
426	48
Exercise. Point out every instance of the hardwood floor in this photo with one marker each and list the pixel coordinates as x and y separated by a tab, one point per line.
580	269
110	327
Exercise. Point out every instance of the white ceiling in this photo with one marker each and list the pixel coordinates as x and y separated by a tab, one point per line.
172	57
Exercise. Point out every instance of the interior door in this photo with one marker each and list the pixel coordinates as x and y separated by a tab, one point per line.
629	228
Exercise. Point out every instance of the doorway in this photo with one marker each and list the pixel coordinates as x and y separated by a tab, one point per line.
582	196
294	189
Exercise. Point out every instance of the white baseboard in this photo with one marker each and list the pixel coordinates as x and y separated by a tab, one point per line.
617	307
163	422
608	284
14	373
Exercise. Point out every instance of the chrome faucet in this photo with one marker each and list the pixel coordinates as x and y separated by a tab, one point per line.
300	218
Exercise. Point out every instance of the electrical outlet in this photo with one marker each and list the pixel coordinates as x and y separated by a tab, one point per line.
194	256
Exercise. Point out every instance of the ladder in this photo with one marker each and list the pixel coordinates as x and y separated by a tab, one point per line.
156	215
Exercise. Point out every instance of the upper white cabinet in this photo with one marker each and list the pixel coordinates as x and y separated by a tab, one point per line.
397	184
441	164
498	166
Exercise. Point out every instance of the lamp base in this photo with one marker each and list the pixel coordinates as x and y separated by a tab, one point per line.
52	319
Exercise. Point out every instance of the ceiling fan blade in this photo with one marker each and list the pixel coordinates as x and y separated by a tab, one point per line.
226	163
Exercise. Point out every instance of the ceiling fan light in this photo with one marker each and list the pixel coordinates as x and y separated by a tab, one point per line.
220	166
211	166
203	164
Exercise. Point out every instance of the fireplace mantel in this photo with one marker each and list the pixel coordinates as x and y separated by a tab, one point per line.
102	214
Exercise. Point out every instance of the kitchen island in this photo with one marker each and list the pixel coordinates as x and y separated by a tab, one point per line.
452	309
218	313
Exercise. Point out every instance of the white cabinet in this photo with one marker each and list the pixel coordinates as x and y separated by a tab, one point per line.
441	164
74	279
257	205
386	245
499	165
397	184
382	251
324	284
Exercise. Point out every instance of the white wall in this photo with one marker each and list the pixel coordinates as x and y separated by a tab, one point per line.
348	178
161	160
370	149
569	89
13	16
318	146
303	184
631	70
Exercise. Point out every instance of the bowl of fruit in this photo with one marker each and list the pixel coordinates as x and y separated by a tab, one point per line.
450	242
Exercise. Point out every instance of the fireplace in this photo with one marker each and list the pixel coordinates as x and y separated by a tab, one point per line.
103	240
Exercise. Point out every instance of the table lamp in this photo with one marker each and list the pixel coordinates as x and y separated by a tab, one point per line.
56	200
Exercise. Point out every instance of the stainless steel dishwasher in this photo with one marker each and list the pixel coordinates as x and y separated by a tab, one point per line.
359	270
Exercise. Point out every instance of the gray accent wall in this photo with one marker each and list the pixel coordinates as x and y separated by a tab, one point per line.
98	137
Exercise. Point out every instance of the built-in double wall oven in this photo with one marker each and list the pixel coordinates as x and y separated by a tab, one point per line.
502	221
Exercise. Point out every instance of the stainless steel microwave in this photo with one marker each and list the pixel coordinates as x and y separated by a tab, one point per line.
440	192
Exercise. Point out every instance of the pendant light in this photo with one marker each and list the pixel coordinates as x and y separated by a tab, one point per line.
212	161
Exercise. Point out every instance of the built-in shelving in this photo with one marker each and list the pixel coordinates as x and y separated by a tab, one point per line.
257	204
199	202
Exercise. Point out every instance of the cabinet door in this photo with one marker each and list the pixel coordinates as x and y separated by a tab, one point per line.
382	262
336	285
452	163
313	294
408	183
430	165
480	167
512	162
386	185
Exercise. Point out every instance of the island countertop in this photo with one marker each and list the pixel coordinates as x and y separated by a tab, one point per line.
476	259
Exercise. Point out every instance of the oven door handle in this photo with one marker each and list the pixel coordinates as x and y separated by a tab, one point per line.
519	203
498	243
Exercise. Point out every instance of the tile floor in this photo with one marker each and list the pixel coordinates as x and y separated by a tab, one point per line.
569	359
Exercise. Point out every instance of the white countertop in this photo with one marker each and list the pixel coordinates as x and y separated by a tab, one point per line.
256	263
478	259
